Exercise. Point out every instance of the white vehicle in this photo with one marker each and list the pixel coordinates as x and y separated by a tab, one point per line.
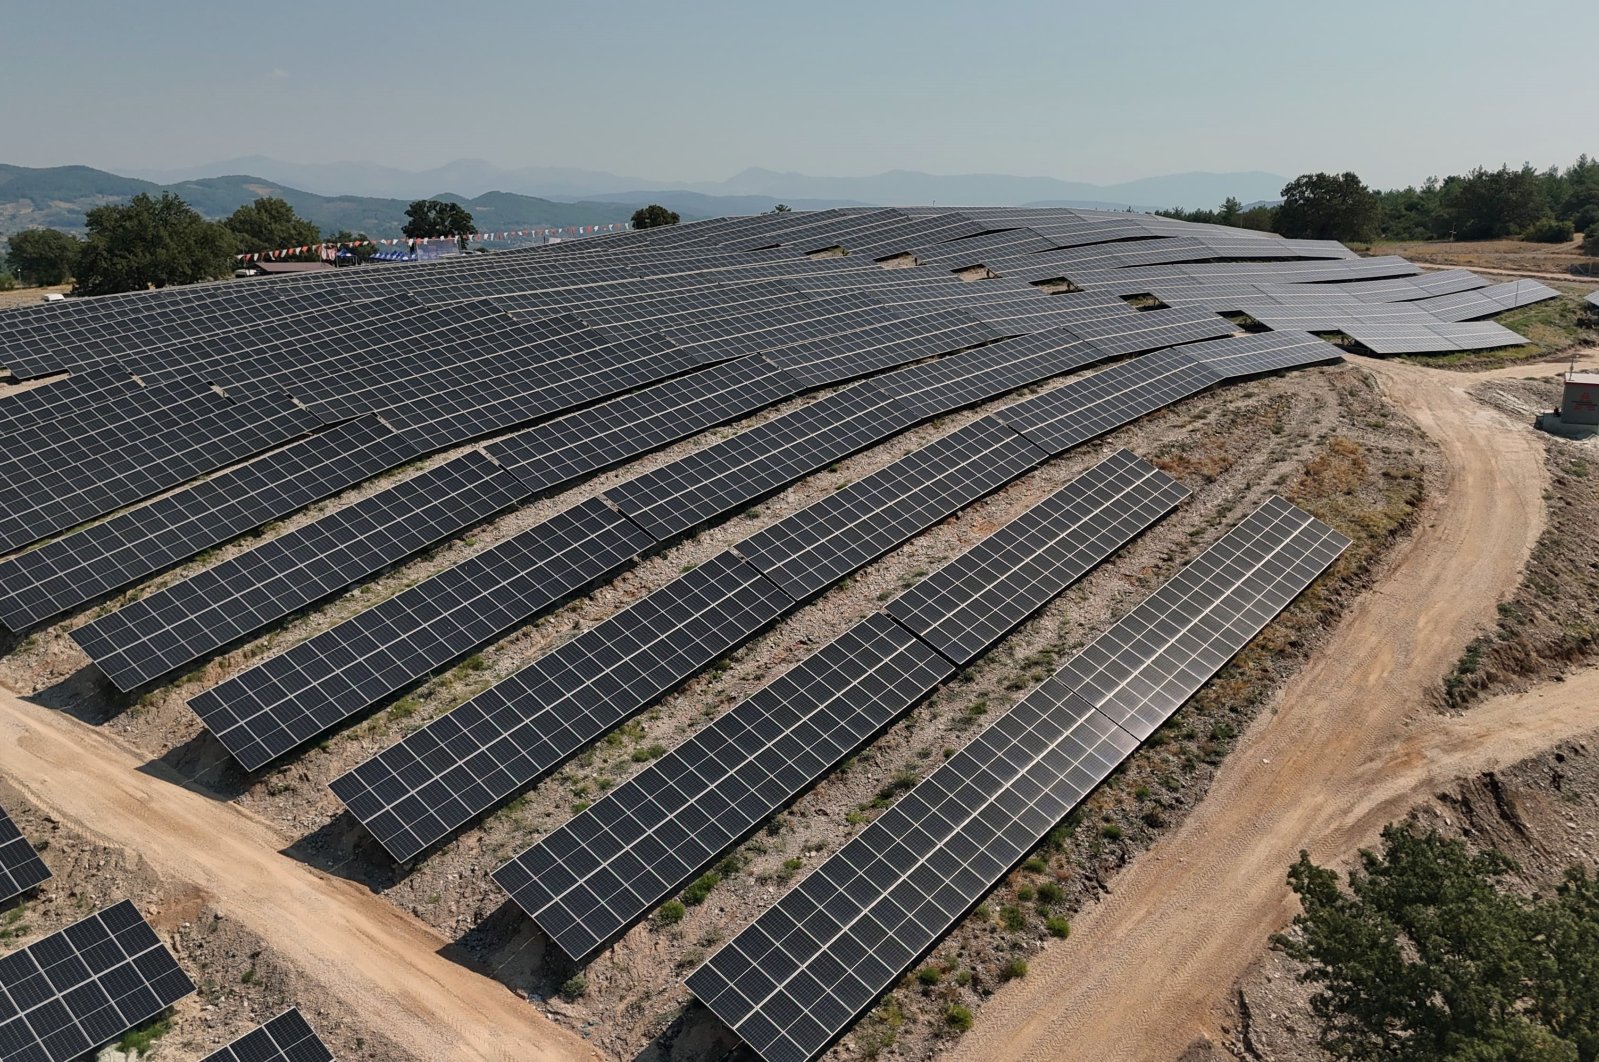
246	272
51	296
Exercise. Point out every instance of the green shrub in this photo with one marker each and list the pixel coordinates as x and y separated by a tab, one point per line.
1111	832
671	911
929	975
958	1017
574	987
1058	927
1014	969
649	752
142	1038
701	887
1549	230
1012	917
1049	892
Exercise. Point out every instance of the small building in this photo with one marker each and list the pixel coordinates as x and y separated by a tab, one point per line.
1579	401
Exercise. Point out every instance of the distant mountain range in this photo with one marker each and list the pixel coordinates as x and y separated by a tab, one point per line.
369	198
60	196
756	189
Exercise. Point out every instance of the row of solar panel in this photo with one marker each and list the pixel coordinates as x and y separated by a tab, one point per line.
591	879
418	792
793	981
265	711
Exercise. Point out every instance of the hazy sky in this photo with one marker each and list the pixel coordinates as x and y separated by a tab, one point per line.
1103	92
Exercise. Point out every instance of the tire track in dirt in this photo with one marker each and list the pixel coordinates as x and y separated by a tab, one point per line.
1346	747
380	964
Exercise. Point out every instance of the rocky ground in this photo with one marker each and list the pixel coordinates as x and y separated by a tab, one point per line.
1322	437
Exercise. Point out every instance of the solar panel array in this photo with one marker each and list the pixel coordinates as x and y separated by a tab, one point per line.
68	993
286	1038
409	809
793	981
589	880
20	866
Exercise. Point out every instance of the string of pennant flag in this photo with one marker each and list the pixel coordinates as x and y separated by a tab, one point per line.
329	249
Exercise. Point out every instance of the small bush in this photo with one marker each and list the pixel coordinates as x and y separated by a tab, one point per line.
701	887
139	1040
1024	893
671	912
929	975
1035	865
1058	927
649	752
1049	892
1012	917
574	988
1014	969
958	1017
1549	230
1111	832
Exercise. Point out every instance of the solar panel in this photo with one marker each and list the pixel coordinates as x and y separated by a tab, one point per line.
793	981
559	451
811	549
94	483
20	866
79	567
40	406
969	604
414	794
261	713
596	875
64	995
670	500
286	1038
190	619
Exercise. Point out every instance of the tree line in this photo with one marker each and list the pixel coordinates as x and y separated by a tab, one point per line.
1547	206
152	241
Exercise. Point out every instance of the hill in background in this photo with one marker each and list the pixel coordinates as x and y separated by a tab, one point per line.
60	196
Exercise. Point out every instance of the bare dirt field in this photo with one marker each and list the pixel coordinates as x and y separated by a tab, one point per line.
1352	742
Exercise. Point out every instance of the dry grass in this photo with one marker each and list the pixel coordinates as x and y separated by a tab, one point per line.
1508	256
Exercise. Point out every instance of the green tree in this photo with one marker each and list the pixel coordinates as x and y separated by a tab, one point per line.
654	216
269	224
430	218
148	241
1489	204
43	256
357	243
1231	210
782	208
1324	206
1427	958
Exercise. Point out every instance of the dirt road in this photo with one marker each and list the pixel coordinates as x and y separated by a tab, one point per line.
380	963
1347	748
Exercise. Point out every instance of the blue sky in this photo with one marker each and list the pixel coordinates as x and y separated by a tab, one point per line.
1098	92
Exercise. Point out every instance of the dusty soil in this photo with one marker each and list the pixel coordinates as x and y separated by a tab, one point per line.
118	827
1543	812
1234	447
1346	748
